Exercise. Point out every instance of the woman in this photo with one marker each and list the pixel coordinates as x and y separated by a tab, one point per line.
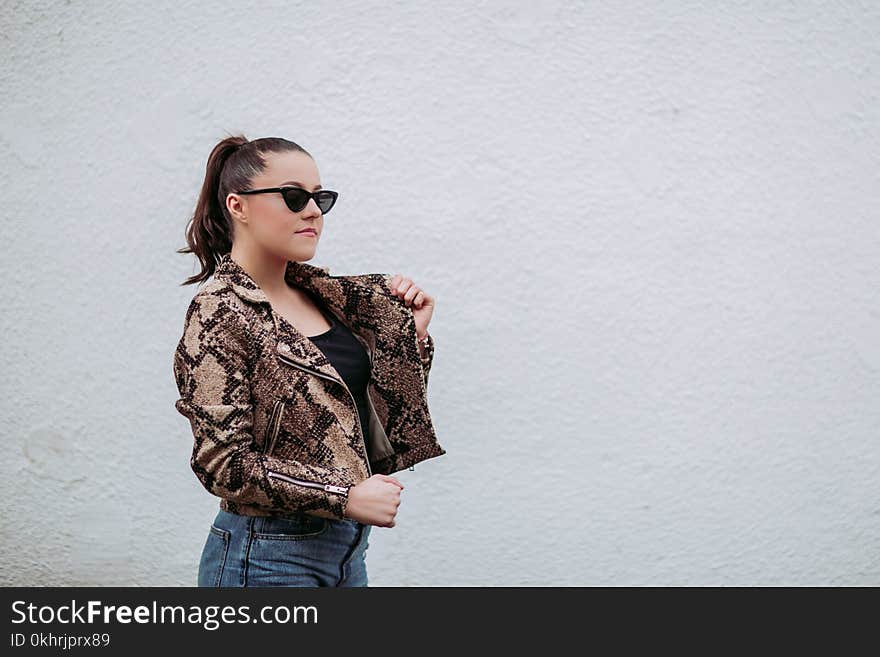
305	391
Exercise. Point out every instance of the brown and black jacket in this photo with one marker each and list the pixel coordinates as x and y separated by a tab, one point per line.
275	428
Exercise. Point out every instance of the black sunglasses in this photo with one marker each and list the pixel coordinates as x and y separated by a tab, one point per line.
297	197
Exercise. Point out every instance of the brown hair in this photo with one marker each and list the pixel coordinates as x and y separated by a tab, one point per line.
231	166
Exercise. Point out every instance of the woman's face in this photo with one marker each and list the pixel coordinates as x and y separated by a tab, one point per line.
272	225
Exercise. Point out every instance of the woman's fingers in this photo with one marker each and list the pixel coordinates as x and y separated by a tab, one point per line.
393	480
404	288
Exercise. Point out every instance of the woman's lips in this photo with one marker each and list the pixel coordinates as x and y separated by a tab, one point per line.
308	232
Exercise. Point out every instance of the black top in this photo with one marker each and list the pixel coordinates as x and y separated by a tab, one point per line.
350	359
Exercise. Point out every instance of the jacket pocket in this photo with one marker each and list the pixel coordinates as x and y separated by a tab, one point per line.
273	426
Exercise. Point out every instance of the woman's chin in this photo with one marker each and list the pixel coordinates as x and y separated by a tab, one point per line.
301	255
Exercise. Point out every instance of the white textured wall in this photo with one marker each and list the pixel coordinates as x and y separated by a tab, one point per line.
651	228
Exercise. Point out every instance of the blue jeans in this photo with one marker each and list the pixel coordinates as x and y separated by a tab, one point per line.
290	550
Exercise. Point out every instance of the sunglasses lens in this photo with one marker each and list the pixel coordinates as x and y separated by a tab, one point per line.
325	200
296	199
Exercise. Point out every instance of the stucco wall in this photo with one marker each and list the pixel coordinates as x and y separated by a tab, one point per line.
651	229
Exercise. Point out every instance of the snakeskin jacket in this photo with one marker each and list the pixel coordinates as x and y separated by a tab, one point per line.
276	430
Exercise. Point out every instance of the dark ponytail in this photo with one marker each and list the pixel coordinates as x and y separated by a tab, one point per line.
232	165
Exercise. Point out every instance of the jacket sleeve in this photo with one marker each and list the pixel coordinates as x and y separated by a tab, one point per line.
211	368
384	281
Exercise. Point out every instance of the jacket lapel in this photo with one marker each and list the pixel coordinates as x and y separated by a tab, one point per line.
349	298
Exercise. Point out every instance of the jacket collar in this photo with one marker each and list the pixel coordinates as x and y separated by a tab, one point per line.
300	274
338	293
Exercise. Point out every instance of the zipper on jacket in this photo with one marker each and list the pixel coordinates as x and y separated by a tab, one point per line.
353	402
273	426
342	490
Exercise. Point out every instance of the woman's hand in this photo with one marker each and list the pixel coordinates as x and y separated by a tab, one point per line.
374	501
421	303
